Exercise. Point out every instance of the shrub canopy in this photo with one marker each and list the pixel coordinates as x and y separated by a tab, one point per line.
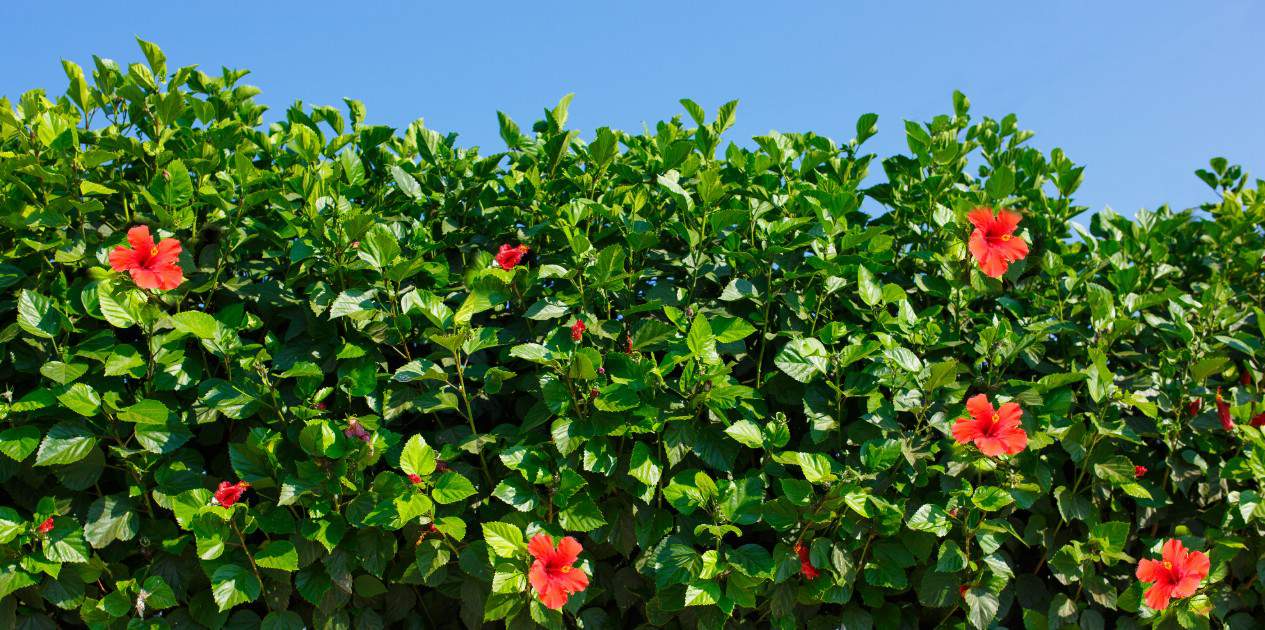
753	426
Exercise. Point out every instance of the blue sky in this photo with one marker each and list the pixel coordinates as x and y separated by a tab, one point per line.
1142	93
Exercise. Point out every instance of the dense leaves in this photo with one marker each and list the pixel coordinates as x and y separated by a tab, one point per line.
719	383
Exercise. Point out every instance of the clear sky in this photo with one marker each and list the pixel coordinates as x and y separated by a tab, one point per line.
1142	93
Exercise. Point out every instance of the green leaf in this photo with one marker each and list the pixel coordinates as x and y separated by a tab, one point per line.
66	542
747	433
505	540
146	411
36	315
198	324
451	487
581	516
803	359
278	554
65	443
19	442
379	247
417	458
991	499
701	340
111	518
81	399
868	288
233	584
1207	367
352	302
11	524
981	605
930	518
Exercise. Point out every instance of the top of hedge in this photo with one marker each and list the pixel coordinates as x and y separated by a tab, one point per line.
333	374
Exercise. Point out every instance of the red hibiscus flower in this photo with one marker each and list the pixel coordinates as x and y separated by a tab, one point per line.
1258	420
993	243
46	526
414	478
1139	472
577	330
229	493
993	431
1245	377
552	574
805	563
1193	406
508	256
1223	412
151	266
963	589
1178	575
630	346
356	430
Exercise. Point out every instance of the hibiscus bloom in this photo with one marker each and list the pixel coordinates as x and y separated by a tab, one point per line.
356	430
414	478
993	431
577	330
229	493
508	256
993	243
151	266
46	526
1193	406
552	574
1258	420
1177	575
805	563
1139	472
1223	412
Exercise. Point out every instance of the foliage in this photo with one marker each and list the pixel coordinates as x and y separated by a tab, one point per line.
764	364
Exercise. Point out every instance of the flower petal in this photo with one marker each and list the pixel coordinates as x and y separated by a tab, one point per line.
1011	250
123	259
538	575
146	279
541	547
1008	415
1186	586
1151	570
1197	564
990	446
1006	222
169	277
993	264
981	218
1174	552
966	430
979	408
572	581
553	596
168	252
140	239
1013	440
568	551
1157	596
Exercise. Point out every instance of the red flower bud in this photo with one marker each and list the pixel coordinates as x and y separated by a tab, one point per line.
440	466
1245	378
577	330
630	346
805	563
1193	406
414	478
1139	471
46	526
1258	420
962	590
601	370
229	493
593	393
1223	411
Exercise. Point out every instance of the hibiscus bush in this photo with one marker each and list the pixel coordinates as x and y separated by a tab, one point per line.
324	373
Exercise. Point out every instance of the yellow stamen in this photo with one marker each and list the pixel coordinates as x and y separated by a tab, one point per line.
996	417
1168	565
566	569
153	251
1005	237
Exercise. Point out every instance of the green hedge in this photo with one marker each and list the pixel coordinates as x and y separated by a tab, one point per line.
754	428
